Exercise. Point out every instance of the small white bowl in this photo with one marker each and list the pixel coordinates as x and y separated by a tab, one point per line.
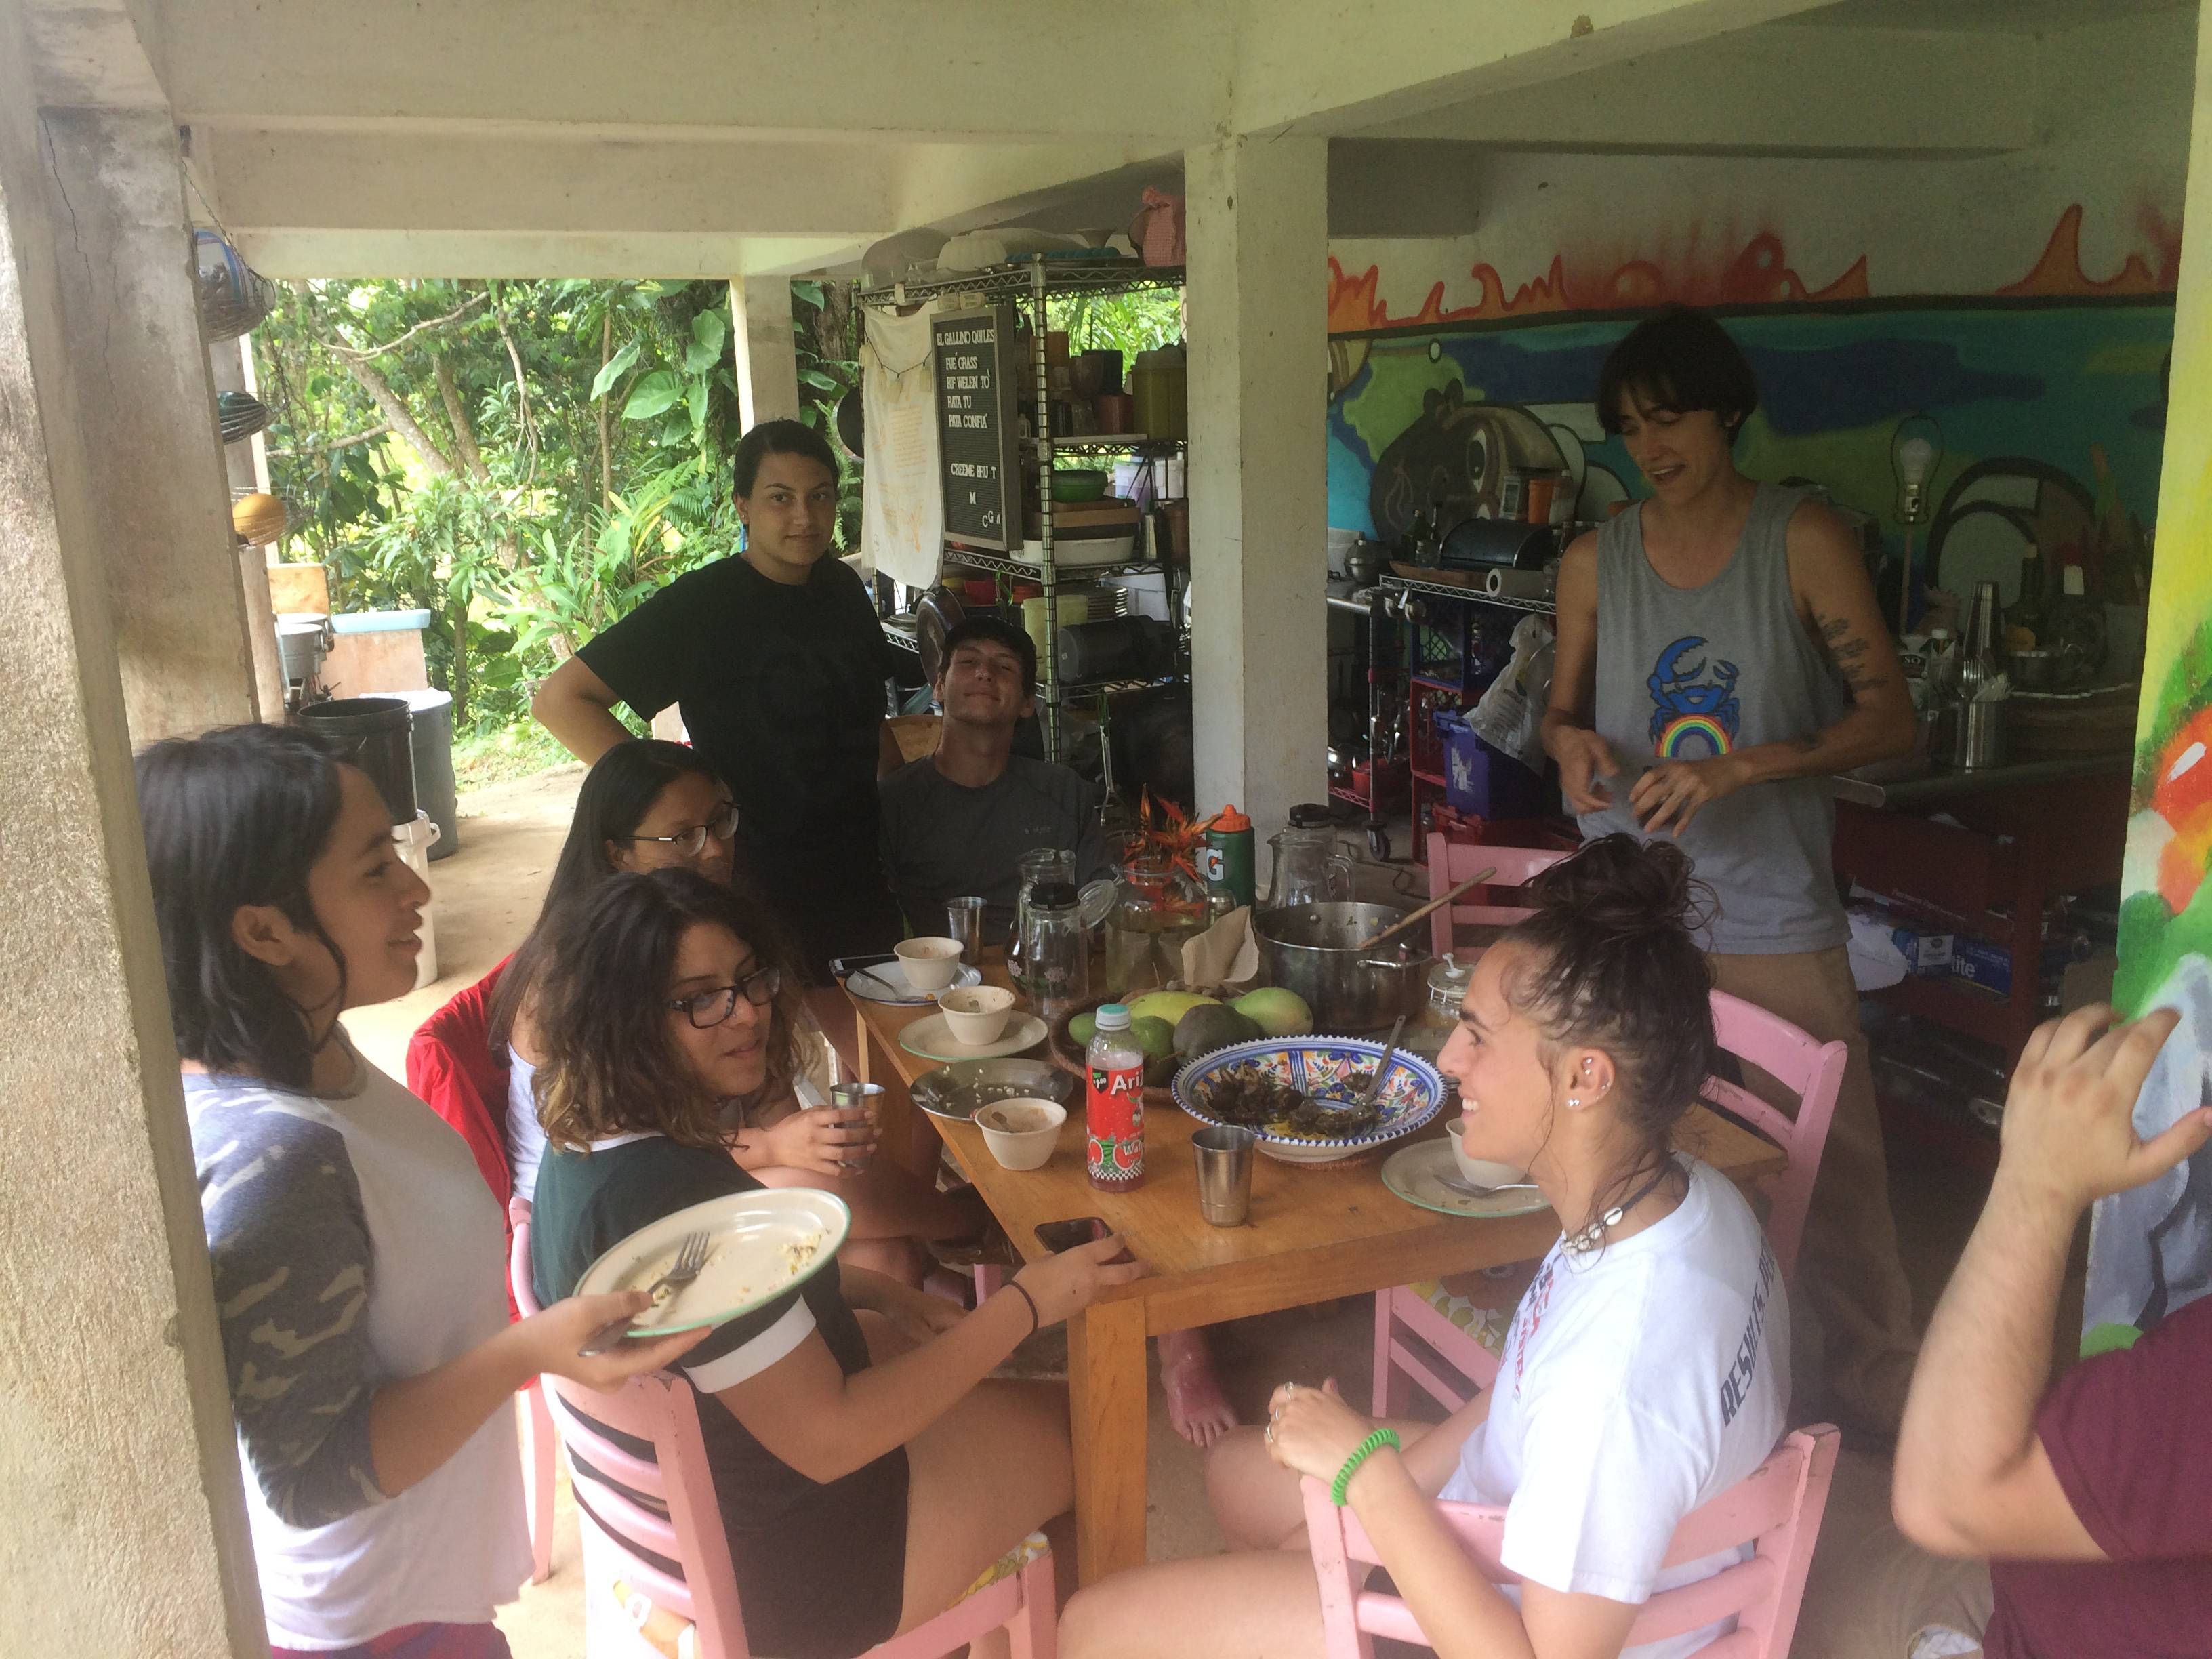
1021	1132
1480	1171
931	963
976	1014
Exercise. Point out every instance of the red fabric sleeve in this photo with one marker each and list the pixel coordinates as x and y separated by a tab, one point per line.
2130	1439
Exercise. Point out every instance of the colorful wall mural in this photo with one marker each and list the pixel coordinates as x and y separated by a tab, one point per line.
2049	395
2151	1249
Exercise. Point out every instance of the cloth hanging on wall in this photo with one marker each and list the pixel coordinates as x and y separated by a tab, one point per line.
903	512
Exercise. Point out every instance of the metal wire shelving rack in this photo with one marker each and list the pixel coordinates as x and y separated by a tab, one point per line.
1032	285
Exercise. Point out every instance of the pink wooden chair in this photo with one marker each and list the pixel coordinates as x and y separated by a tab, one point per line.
537	1422
1416	1325
661	1409
1451	862
1777	1510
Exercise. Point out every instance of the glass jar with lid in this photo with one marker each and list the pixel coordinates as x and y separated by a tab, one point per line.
1431	1028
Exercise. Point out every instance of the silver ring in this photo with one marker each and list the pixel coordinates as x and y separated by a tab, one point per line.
1289	1389
1267	1434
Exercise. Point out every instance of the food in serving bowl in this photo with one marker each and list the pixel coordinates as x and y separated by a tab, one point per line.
1263	1086
1021	1132
931	964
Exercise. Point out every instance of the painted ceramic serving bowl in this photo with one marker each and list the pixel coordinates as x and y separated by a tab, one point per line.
1330	1068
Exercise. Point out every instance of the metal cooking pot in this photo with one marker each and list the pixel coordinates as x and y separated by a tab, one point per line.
1309	949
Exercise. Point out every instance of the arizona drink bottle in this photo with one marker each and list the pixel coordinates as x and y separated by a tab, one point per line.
1114	1103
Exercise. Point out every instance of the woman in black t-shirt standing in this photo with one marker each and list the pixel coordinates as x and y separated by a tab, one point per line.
777	661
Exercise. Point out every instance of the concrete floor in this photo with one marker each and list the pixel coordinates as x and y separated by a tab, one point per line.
485	897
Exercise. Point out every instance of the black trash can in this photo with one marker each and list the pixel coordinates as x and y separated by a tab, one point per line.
371	734
439	796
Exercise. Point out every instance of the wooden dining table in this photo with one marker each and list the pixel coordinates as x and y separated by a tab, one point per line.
1315	1233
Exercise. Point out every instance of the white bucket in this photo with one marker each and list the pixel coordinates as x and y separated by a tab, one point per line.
414	841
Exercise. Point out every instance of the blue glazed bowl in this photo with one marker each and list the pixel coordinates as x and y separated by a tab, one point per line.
1330	1068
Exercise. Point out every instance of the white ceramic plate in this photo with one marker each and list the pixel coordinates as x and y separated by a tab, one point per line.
887	982
1421	1174
930	1037
764	1242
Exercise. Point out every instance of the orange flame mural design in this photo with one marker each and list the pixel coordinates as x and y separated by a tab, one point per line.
1759	274
2059	273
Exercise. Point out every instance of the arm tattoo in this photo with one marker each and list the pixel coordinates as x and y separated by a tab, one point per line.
1849	652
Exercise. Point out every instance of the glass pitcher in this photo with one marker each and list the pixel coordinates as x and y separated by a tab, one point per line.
1307	869
1055	947
1042	865
1157	906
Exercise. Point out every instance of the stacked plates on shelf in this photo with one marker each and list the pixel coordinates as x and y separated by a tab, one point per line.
241	415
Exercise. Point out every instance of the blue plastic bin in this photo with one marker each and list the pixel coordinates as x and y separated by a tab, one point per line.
1483	781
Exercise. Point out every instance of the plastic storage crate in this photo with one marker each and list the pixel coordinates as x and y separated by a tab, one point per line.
1481	780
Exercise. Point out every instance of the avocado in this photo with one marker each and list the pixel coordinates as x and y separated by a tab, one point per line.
1082	1029
1155	1035
1202	1030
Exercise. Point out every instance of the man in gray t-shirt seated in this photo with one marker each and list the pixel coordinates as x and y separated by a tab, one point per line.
955	822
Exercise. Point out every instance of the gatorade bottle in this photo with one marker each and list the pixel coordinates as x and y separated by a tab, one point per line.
1228	864
1114	1104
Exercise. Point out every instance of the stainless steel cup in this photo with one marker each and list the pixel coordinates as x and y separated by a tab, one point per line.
868	1097
1225	1173
963	921
1982	734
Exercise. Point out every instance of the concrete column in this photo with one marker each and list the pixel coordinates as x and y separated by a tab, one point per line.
161	508
246	467
1258	228
117	1451
766	358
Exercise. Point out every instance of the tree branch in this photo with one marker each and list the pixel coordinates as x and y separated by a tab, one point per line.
346	442
396	411
347	356
464	435
523	417
606	458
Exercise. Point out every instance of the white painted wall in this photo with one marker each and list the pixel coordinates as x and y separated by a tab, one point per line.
2112	106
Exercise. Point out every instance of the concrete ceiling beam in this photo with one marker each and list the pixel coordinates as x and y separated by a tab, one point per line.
507	185
1780	90
1344	66
976	70
289	251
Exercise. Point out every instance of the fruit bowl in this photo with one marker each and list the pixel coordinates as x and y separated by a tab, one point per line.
1334	1069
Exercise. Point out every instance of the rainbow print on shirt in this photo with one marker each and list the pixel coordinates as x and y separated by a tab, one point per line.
1694	709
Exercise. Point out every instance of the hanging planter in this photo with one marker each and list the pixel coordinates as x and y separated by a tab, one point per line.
233	299
258	518
240	416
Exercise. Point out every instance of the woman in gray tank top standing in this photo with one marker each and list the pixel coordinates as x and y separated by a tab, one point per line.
1720	656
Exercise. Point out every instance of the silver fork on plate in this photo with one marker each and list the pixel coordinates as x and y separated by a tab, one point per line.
690	1258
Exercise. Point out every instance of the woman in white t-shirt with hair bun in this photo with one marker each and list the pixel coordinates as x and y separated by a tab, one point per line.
1647	1367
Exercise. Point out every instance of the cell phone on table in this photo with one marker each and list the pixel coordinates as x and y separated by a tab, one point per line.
1058	1236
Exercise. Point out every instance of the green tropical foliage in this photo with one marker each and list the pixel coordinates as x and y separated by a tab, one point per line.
524	460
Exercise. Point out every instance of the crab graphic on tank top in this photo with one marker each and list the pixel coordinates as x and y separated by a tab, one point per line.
1695	712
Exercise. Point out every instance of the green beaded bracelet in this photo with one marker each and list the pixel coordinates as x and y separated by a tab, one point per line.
1367	1449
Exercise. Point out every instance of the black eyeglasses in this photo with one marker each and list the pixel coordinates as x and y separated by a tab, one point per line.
707	1009
723	826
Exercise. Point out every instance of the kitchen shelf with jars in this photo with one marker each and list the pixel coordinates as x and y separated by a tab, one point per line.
1014	402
